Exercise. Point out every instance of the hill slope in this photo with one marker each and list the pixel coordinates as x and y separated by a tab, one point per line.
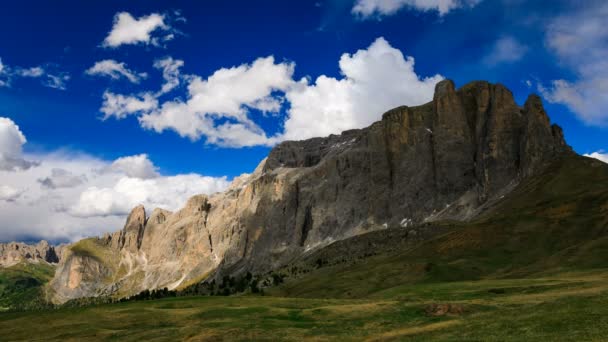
556	221
21	285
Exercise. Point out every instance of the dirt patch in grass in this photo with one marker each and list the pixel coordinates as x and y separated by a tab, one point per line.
397	333
447	309
561	211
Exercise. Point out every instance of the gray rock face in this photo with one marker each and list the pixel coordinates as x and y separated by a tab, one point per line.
15	252
130	237
442	160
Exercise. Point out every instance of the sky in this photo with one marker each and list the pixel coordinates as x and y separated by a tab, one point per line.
105	105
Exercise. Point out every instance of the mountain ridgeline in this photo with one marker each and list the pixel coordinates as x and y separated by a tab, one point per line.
16	252
450	159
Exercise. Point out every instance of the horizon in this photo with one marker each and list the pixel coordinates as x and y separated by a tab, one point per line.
123	105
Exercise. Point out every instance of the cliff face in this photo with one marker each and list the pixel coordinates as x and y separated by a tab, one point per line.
15	252
447	159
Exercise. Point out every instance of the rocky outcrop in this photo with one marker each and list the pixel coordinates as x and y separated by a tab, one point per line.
446	159
79	275
15	252
130	237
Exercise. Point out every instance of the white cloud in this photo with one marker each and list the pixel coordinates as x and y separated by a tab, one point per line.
115	70
56	81
138	166
599	155
53	79
505	50
579	41
68	196
31	72
11	142
120	106
87	200
130	30
61	178
378	8
375	80
166	192
5	80
219	108
225	96
171	73
9	194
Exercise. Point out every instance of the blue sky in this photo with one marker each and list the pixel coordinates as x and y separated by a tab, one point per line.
241	76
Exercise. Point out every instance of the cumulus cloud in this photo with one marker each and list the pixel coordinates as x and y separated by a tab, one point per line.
138	166
48	201
375	79
378	8
578	39
115	70
120	106
9	194
505	50
599	155
171	74
220	108
11	143
225	96
61	178
165	192
128	30
69	195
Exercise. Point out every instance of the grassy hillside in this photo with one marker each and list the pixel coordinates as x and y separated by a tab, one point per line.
553	223
21	285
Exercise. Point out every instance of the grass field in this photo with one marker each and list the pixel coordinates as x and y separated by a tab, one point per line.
21	285
570	306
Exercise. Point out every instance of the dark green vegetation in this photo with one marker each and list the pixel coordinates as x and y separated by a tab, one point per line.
21	286
534	267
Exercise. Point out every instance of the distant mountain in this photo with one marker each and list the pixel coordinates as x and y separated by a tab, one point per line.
452	159
16	252
25	269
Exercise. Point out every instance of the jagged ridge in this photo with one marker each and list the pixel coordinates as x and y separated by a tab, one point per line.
13	253
447	159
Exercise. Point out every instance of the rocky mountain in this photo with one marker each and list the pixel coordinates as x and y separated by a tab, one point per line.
449	159
15	252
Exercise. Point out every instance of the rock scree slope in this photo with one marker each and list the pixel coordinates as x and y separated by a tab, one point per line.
448	159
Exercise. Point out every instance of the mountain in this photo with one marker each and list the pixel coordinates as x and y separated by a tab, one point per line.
16	252
452	159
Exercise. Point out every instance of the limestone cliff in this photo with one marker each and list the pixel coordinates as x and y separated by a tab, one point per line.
447	159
